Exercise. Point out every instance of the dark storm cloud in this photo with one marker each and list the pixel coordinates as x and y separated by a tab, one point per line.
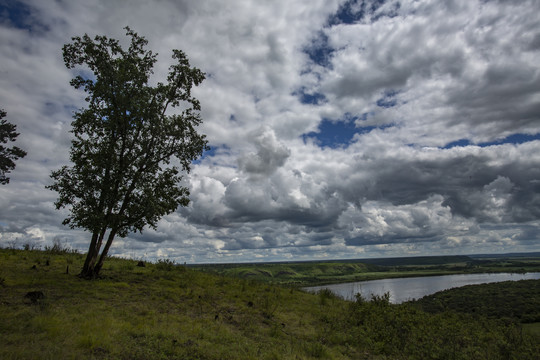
478	185
410	197
506	95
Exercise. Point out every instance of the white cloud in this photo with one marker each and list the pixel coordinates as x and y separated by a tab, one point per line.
423	73
270	155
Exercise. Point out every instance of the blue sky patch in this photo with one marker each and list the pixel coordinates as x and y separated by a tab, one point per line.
21	16
354	11
338	134
309	98
512	139
17	14
208	154
388	100
457	143
333	134
349	12
319	51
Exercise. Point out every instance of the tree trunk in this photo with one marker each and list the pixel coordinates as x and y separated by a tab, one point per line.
89	262
103	255
91	266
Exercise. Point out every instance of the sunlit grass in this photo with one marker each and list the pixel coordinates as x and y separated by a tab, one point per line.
165	311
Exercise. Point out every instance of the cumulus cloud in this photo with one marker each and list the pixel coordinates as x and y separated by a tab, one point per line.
270	154
439	103
471	71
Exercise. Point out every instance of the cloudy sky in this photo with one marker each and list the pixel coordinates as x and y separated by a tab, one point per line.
339	129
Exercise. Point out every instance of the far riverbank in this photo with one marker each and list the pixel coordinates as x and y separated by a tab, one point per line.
314	273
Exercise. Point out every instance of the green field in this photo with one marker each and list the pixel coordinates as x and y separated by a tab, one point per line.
301	274
166	311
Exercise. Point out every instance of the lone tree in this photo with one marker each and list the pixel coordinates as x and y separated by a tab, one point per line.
8	155
127	152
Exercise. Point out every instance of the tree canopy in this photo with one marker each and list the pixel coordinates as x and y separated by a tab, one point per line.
128	152
8	155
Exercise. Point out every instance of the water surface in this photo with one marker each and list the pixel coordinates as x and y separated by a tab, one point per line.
403	289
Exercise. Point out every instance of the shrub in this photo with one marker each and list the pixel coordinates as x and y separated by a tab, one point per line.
165	264
325	295
57	248
30	247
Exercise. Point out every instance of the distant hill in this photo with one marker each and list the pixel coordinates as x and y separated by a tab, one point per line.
508	255
418	260
396	261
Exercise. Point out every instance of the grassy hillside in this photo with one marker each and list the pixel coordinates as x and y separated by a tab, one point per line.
515	300
319	273
420	260
296	274
312	273
164	311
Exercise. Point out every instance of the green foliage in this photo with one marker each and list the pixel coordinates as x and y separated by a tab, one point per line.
30	247
297	274
166	264
420	260
311	273
8	155
514	300
533	329
403	331
127	152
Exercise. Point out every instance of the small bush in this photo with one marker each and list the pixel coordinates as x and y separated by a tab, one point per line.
381	300
30	247
325	295
315	349
58	249
165	264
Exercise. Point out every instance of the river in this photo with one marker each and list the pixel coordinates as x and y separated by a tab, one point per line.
404	289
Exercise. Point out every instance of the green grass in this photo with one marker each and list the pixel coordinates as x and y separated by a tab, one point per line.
296	274
164	311
532	329
516	300
303	274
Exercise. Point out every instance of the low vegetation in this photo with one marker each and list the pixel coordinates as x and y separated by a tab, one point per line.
139	310
512	300
294	274
302	274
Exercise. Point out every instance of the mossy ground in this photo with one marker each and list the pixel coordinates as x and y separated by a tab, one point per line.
163	311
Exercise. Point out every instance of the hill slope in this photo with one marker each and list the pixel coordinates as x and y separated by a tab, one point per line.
516	300
163	311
